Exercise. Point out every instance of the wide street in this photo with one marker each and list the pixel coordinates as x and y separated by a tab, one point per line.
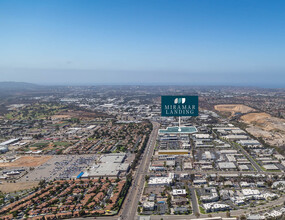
219	172
194	201
129	208
253	162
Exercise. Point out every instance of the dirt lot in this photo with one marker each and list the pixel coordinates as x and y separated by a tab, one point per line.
234	108
27	161
261	124
55	117
11	187
270	128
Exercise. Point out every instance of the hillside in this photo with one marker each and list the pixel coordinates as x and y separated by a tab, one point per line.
12	86
234	108
259	124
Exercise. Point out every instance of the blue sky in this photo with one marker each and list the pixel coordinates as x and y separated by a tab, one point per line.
208	42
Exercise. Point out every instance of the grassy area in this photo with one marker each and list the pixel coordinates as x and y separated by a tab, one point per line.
61	143
40	144
202	210
121	148
60	124
9	116
271	170
35	111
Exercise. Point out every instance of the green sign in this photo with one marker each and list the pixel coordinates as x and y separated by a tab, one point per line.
179	106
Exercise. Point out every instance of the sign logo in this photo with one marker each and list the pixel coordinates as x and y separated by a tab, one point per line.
179	100
179	106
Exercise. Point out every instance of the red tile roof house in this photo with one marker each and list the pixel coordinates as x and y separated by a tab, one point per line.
36	218
76	214
93	212
50	217
7	217
64	215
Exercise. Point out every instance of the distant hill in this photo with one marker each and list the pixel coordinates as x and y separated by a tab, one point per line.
14	86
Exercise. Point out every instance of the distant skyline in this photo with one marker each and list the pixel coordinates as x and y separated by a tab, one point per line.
221	42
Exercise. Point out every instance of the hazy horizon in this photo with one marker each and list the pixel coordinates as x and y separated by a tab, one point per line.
235	43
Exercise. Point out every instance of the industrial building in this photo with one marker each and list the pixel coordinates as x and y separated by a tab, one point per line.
109	165
174	152
175	130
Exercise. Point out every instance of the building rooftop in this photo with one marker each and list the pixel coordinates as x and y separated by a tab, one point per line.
227	165
175	130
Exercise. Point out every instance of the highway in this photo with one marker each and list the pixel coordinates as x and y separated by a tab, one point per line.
129	208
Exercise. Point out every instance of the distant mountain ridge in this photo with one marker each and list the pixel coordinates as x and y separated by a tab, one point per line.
9	86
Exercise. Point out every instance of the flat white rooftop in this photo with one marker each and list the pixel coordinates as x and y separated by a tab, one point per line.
175	130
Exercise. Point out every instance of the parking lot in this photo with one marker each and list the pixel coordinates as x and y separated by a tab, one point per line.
60	167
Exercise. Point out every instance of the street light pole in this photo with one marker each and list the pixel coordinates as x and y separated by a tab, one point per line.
179	128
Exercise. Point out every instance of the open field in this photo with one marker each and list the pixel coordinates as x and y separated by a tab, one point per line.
27	161
270	128
234	108
11	187
36	111
68	114
55	117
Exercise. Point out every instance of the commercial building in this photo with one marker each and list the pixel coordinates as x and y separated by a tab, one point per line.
248	142
109	165
179	192
156	181
187	166
236	137
8	142
148	206
227	165
3	149
175	130
270	167
215	207
174	152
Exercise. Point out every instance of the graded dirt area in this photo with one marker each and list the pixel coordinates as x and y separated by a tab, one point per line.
270	128
11	187
234	108
260	124
27	161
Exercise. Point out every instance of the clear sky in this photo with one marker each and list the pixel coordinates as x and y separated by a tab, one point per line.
206	42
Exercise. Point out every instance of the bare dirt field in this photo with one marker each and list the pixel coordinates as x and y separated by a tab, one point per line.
11	187
54	117
270	128
260	124
234	108
27	161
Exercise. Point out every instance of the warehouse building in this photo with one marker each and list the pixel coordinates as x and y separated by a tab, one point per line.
174	152
109	165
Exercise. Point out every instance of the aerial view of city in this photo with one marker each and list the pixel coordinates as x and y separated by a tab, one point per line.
142	110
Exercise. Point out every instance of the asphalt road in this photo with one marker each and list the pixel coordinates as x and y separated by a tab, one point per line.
194	201
129	208
192	216
256	166
224	172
